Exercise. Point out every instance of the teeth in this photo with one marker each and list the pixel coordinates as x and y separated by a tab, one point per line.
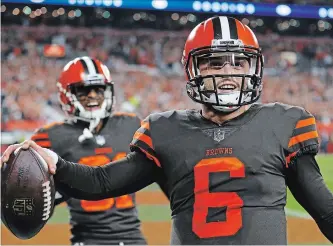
227	86
92	104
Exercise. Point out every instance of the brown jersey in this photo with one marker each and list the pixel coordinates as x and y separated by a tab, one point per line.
108	221
227	182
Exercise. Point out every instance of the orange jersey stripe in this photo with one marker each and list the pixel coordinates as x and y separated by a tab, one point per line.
289	157
144	138
44	144
306	122
302	137
124	113
40	135
151	157
145	125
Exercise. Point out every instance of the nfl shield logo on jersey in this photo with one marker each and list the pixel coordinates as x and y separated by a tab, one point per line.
219	134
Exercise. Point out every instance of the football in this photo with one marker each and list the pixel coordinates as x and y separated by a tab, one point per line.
27	193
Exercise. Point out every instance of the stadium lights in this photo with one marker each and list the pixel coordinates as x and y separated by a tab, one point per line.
89	2
330	13
159	4
232	8
322	12
196	5
107	2
250	9
224	7
239	8
36	1
325	13
283	10
117	3
206	6
216	7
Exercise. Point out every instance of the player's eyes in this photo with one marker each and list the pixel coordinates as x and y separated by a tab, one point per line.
84	91
216	65
240	63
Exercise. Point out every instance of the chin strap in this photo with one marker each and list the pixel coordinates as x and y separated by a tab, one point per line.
88	133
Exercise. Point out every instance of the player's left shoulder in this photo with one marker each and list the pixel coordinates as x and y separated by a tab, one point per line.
285	112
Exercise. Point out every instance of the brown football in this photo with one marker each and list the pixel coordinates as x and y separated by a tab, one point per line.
27	193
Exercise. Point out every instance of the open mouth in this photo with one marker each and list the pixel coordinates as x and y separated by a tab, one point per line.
227	86
93	106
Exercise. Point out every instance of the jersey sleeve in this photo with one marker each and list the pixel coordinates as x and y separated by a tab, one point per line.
41	137
143	141
304	138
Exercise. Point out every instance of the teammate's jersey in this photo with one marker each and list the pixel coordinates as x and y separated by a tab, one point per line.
108	221
227	182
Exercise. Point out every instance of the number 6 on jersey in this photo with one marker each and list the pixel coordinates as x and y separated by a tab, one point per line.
205	199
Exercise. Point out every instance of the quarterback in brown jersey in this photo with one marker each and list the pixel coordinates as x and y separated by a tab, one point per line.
93	135
228	165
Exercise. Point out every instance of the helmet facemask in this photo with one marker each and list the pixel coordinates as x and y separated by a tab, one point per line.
225	92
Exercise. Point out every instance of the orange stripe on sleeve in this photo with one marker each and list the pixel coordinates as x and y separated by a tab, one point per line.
144	138
289	157
145	125
39	136
306	122
302	137
44	144
151	157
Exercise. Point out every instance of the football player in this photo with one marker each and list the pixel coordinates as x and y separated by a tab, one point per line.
228	165
93	135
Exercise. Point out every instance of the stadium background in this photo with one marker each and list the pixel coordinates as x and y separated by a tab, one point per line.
142	48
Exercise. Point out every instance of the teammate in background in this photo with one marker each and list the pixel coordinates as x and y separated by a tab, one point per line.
228	165
92	136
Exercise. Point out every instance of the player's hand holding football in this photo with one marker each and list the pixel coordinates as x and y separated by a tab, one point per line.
49	156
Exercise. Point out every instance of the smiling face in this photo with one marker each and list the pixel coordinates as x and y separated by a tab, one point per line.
226	64
90	97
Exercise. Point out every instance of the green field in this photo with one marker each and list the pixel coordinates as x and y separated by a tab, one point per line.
148	213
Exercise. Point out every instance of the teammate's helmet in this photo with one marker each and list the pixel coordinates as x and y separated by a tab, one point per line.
224	37
85	71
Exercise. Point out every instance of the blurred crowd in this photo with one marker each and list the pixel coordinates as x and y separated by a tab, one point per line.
145	66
